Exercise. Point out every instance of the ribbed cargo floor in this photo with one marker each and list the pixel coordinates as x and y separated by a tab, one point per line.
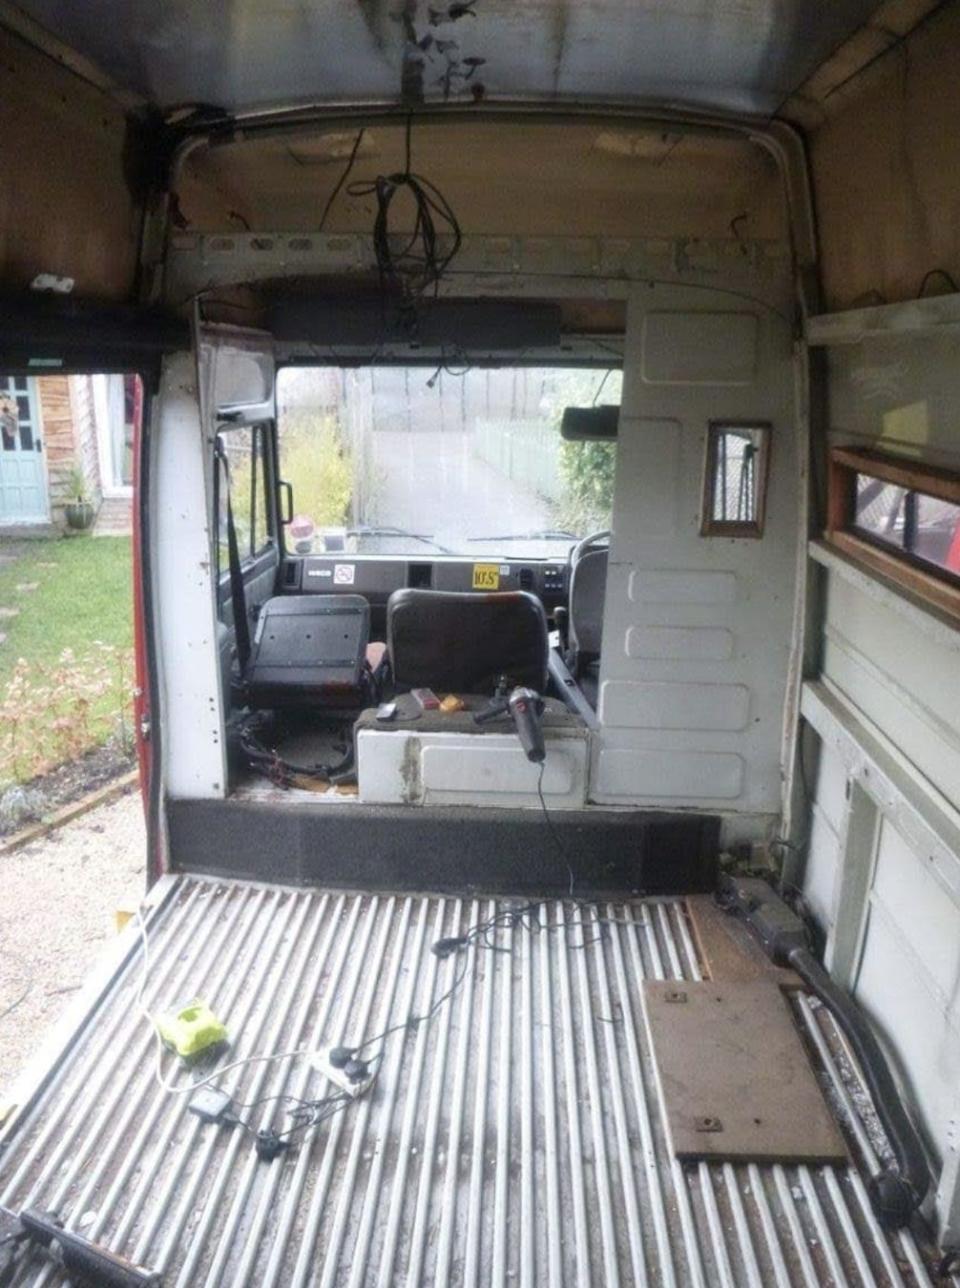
514	1139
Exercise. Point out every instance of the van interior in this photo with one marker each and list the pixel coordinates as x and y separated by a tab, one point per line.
547	577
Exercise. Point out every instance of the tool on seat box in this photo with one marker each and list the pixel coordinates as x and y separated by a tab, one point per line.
425	699
83	1261
525	708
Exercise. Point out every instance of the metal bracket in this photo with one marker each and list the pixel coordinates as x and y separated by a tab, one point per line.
707	1123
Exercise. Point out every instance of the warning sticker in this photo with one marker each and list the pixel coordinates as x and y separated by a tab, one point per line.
486	577
343	574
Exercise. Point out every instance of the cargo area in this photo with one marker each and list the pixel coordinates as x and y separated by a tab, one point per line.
539	423
518	1136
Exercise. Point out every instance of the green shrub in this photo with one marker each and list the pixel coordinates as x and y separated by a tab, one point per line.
51	714
314	462
587	476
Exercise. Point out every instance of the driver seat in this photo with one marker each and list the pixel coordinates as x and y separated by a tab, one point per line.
462	642
588	588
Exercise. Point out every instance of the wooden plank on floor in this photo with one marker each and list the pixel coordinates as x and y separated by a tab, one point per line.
737	1080
727	949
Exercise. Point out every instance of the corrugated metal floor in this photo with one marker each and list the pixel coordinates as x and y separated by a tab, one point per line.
515	1139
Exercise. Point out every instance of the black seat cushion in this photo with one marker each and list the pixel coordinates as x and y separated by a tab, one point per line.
463	643
310	650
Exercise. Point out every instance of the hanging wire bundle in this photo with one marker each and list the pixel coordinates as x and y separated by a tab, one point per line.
416	262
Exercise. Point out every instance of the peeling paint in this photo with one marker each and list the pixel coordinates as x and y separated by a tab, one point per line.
410	775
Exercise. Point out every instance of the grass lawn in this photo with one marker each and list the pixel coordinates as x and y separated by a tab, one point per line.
52	707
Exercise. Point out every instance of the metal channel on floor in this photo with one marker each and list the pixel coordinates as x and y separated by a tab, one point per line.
516	1138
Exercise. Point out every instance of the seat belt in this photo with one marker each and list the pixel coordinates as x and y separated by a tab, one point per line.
238	594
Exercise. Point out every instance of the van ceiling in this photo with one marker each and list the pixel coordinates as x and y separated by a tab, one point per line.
736	56
521	178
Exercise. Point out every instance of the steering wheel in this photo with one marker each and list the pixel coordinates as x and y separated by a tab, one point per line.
581	548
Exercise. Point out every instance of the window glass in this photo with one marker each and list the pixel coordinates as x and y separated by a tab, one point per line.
245	476
907	520
410	460
880	510
735	480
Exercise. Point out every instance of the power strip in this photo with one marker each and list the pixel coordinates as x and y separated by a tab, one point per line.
320	1060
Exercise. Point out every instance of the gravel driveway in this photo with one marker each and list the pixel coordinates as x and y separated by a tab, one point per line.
57	900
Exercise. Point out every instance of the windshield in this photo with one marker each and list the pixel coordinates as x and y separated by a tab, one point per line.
420	462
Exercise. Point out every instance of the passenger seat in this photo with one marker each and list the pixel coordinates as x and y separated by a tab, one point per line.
455	642
588	588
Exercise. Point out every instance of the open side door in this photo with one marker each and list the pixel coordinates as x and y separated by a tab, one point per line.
237	386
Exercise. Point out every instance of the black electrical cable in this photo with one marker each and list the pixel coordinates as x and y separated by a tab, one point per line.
561	848
342	180
937	272
419	262
268	761
310	1113
527	914
414	1021
599	389
895	1195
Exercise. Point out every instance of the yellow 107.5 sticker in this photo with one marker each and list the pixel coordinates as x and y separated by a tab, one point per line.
486	577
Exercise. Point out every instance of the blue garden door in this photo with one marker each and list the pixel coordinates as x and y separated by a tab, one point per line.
23	475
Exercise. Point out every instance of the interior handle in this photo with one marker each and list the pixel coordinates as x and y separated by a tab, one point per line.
286	511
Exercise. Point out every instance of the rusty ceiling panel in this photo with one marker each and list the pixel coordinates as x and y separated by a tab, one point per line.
741	56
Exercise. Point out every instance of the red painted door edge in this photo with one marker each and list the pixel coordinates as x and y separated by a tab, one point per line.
141	695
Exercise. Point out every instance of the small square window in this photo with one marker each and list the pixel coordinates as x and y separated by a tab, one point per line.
735	480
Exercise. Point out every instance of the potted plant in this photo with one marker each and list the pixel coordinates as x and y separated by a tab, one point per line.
79	509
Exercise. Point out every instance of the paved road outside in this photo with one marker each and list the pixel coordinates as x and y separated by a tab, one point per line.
57	900
433	483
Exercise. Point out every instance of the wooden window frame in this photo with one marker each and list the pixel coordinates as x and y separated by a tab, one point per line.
922	580
711	527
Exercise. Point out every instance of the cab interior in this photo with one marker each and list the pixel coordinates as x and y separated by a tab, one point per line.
491	473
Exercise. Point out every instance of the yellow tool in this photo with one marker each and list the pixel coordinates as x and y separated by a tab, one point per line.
191	1031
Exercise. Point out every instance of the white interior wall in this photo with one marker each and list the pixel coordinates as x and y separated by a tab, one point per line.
194	759
698	631
882	869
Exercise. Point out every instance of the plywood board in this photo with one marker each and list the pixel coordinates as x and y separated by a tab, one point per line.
737	1081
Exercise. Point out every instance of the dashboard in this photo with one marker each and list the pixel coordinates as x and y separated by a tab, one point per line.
376	577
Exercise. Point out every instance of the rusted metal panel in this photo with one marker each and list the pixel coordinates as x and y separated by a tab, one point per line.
728	55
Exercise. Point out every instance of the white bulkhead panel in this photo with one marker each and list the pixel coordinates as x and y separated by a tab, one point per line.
184	592
698	630
232	374
406	768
